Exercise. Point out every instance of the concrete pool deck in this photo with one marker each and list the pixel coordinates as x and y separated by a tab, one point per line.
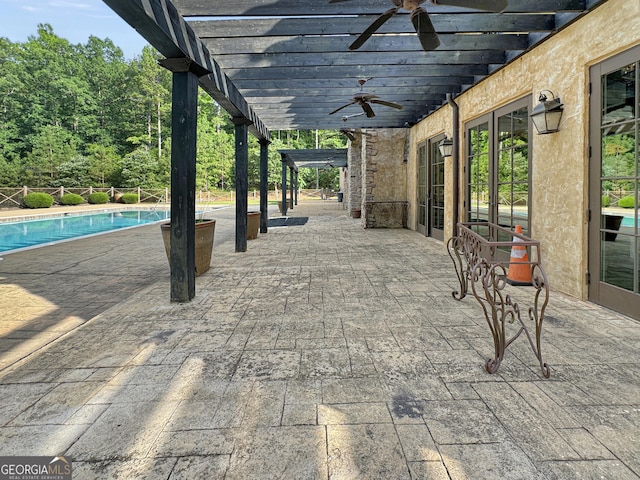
324	351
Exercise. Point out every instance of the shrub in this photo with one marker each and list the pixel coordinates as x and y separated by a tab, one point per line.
98	198
606	201
71	199
37	200
627	202
129	198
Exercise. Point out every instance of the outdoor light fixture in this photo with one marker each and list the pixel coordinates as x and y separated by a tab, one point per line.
446	147
547	114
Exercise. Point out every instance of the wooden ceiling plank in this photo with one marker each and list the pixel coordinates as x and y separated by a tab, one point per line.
400	24
322	7
301	60
357	71
395	43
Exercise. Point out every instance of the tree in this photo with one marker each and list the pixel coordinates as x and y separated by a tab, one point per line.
74	172
52	145
138	168
215	145
152	95
104	164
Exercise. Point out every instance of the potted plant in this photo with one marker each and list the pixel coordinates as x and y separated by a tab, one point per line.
253	225
205	230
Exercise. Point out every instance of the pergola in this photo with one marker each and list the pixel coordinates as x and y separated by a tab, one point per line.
286	64
307	158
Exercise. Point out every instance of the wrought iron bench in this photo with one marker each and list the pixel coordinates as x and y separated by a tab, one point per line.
480	271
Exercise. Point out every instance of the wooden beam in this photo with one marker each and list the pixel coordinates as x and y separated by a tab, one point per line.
372	7
396	43
284	183
290	89
336	59
424	82
365	70
242	183
398	25
264	186
184	115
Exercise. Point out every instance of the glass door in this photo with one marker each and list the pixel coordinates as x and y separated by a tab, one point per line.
512	169
614	231
436	190
422	189
498	168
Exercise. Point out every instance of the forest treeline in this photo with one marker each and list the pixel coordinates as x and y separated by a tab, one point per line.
83	115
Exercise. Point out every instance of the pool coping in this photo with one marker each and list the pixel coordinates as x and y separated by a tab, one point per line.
38	214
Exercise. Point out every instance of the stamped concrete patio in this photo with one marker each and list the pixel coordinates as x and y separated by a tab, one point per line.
325	351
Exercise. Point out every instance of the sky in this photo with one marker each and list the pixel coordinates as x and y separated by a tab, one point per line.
74	20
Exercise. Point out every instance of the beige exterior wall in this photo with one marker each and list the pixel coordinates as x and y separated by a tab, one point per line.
560	160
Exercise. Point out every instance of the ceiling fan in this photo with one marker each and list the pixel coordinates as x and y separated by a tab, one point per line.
365	100
420	18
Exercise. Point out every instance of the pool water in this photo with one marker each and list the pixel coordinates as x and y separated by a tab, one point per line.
628	222
29	233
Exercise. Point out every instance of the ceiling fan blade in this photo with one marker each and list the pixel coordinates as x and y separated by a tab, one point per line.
367	109
344	106
424	28
496	6
377	23
388	104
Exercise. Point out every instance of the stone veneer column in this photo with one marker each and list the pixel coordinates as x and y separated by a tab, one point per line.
384	178
354	179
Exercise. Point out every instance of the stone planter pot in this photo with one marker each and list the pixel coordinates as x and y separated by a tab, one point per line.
612	222
205	231
253	225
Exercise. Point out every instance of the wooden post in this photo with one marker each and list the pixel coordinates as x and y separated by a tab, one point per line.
284	185
291	188
264	186
184	116
242	182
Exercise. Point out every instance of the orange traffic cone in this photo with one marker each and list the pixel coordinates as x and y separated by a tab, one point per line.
519	267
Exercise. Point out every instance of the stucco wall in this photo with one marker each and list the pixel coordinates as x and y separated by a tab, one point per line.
560	160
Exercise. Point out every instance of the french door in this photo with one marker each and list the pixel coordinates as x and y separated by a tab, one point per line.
431	189
614	177
498	168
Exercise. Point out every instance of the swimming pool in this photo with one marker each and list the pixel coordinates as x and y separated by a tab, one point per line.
29	233
628	222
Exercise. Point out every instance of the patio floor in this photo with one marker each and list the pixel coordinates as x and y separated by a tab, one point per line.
324	351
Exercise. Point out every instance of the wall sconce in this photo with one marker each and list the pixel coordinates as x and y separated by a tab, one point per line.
446	147
547	114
